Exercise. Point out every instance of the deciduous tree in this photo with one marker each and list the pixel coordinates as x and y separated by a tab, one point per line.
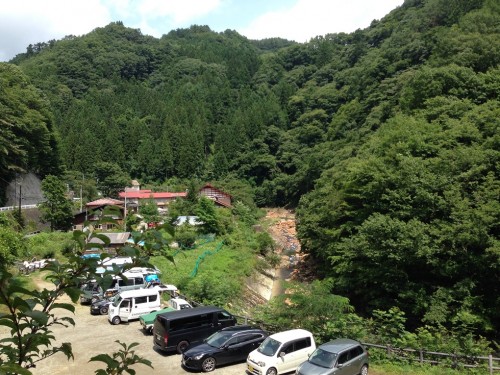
57	209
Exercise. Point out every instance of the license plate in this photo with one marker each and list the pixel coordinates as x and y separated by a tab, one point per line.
250	368
158	337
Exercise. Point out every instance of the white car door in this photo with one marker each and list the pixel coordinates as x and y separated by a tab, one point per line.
125	308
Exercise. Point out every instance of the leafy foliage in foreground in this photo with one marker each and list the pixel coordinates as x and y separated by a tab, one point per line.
31	314
121	361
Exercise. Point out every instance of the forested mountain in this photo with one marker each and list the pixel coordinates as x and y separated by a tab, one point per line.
386	140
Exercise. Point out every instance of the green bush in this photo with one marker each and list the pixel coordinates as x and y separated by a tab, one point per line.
12	246
213	289
185	236
55	244
265	243
273	259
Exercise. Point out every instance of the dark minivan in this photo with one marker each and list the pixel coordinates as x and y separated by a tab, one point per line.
176	330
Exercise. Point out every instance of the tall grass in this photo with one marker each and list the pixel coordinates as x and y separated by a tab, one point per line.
416	369
48	244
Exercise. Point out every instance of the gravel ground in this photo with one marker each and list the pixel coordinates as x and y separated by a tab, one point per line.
93	335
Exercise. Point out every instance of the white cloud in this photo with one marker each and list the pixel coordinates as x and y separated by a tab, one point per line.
25	22
157	17
171	14
310	18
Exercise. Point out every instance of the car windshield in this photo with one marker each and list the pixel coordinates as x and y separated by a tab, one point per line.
116	300
218	339
269	347
323	358
90	286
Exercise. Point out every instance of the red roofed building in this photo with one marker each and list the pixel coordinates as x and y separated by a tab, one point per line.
132	198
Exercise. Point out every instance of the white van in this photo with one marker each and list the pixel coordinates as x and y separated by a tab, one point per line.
134	280
131	304
178	304
281	352
109	263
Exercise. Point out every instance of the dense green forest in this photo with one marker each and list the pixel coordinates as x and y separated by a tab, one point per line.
386	140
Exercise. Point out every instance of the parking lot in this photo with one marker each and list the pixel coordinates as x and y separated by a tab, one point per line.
93	335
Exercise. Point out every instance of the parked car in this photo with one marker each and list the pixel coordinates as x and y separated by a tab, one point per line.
100	306
229	345
337	357
177	330
148	320
179	304
169	289
281	352
131	304
91	291
132	281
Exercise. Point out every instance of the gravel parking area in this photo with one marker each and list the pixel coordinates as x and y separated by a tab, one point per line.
93	335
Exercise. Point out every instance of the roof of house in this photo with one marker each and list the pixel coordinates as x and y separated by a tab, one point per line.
141	194
114	238
209	186
104	202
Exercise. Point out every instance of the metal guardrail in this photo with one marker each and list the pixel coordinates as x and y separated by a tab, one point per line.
23	207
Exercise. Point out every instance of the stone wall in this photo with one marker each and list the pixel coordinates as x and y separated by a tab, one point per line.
31	191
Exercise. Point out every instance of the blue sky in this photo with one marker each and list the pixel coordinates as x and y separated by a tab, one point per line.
24	22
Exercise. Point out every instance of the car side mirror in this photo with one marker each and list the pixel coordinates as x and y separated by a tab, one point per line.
282	354
340	365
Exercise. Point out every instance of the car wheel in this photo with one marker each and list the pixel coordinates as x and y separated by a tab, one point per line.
208	364
182	346
103	310
272	371
116	320
364	370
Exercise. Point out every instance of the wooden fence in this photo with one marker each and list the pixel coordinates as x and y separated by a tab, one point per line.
454	360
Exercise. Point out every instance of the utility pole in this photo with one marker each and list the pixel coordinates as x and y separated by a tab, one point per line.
125	212
81	193
20	198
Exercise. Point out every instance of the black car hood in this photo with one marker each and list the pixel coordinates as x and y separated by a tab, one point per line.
201	349
101	303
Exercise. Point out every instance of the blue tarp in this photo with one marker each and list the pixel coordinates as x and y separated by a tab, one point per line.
88	256
150	278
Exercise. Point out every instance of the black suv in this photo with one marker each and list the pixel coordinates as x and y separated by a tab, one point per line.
229	345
